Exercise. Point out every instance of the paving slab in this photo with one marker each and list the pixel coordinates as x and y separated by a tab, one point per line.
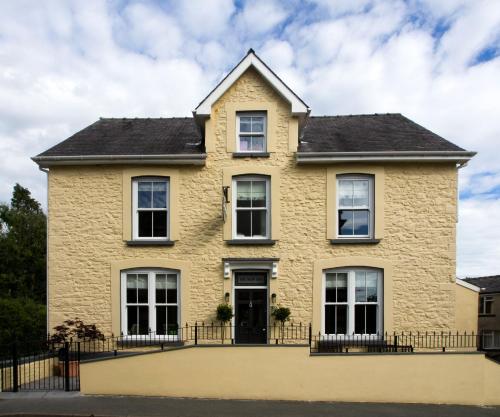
74	404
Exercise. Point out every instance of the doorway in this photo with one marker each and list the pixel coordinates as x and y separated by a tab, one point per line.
251	318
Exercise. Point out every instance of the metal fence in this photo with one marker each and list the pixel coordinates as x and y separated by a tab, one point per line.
46	365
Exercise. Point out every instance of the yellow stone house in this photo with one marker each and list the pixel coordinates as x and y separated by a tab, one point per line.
349	221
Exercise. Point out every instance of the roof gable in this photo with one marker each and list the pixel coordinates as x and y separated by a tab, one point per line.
251	60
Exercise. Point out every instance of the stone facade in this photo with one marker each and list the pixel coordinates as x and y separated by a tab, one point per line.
86	223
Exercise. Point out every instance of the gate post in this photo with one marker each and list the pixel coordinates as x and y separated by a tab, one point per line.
66	366
15	370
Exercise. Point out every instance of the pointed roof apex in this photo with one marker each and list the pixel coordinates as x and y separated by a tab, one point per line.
251	60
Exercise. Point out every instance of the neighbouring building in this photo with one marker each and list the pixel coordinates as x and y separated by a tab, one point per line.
489	309
350	221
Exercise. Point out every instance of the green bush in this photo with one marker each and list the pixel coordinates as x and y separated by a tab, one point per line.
22	319
224	313
281	314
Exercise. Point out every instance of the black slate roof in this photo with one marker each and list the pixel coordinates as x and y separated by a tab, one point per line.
176	135
369	133
489	284
181	136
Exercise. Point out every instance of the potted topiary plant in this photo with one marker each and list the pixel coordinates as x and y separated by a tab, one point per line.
74	331
281	314
224	315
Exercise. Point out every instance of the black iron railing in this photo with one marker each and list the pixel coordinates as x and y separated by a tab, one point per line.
397	342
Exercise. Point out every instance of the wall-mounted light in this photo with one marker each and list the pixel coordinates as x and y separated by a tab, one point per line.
226	297
273	298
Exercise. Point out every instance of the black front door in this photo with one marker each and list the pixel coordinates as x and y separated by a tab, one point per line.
251	315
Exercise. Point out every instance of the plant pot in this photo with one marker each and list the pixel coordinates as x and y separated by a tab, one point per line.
73	369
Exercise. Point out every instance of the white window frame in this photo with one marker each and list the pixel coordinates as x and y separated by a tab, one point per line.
370	208
351	301
136	209
483	299
267	208
151	272
239	134
491	339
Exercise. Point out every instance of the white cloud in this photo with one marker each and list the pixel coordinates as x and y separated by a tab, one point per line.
64	64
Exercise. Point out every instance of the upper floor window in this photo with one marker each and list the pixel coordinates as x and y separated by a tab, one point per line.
251	132
485	304
150	208
355	206
353	301
251	208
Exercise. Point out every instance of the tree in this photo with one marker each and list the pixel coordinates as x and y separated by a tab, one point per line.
23	247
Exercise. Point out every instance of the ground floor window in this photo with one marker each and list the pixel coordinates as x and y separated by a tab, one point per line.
150	302
491	339
352	301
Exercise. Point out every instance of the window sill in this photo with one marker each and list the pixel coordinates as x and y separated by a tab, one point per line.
251	155
268	242
150	243
487	315
354	241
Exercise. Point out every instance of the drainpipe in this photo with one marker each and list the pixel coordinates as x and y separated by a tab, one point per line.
46	171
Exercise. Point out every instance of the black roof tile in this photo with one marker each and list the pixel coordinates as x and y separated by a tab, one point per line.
489	284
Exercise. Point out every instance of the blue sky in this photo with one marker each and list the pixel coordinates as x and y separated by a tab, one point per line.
63	64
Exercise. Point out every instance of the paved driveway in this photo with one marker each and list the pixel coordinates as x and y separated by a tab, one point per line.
72	404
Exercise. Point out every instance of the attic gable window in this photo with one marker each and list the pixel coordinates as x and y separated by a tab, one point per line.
150	208
251	132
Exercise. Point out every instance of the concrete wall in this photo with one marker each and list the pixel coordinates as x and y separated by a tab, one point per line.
87	229
290	373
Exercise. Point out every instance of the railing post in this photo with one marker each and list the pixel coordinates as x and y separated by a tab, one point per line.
395	343
195	332
15	370
66	366
310	335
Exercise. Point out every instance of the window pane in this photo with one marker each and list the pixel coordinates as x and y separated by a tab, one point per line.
341	319
342	287
371	286
145	224
159	194
243	193
131	288
172	324
359	319
258	194
161	320
243	227
258	143
360	193
143	320
259	223
132	320
144	194
161	288
142	288
371	319
172	288
245	124
360	222
159	224
360	287
330	319
258	124
245	143
330	288
345	222
345	193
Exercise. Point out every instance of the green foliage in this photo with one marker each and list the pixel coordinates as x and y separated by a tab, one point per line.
281	314
23	247
77	330
224	313
22	268
21	319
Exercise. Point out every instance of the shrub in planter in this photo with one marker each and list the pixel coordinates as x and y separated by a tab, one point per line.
224	315
281	314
